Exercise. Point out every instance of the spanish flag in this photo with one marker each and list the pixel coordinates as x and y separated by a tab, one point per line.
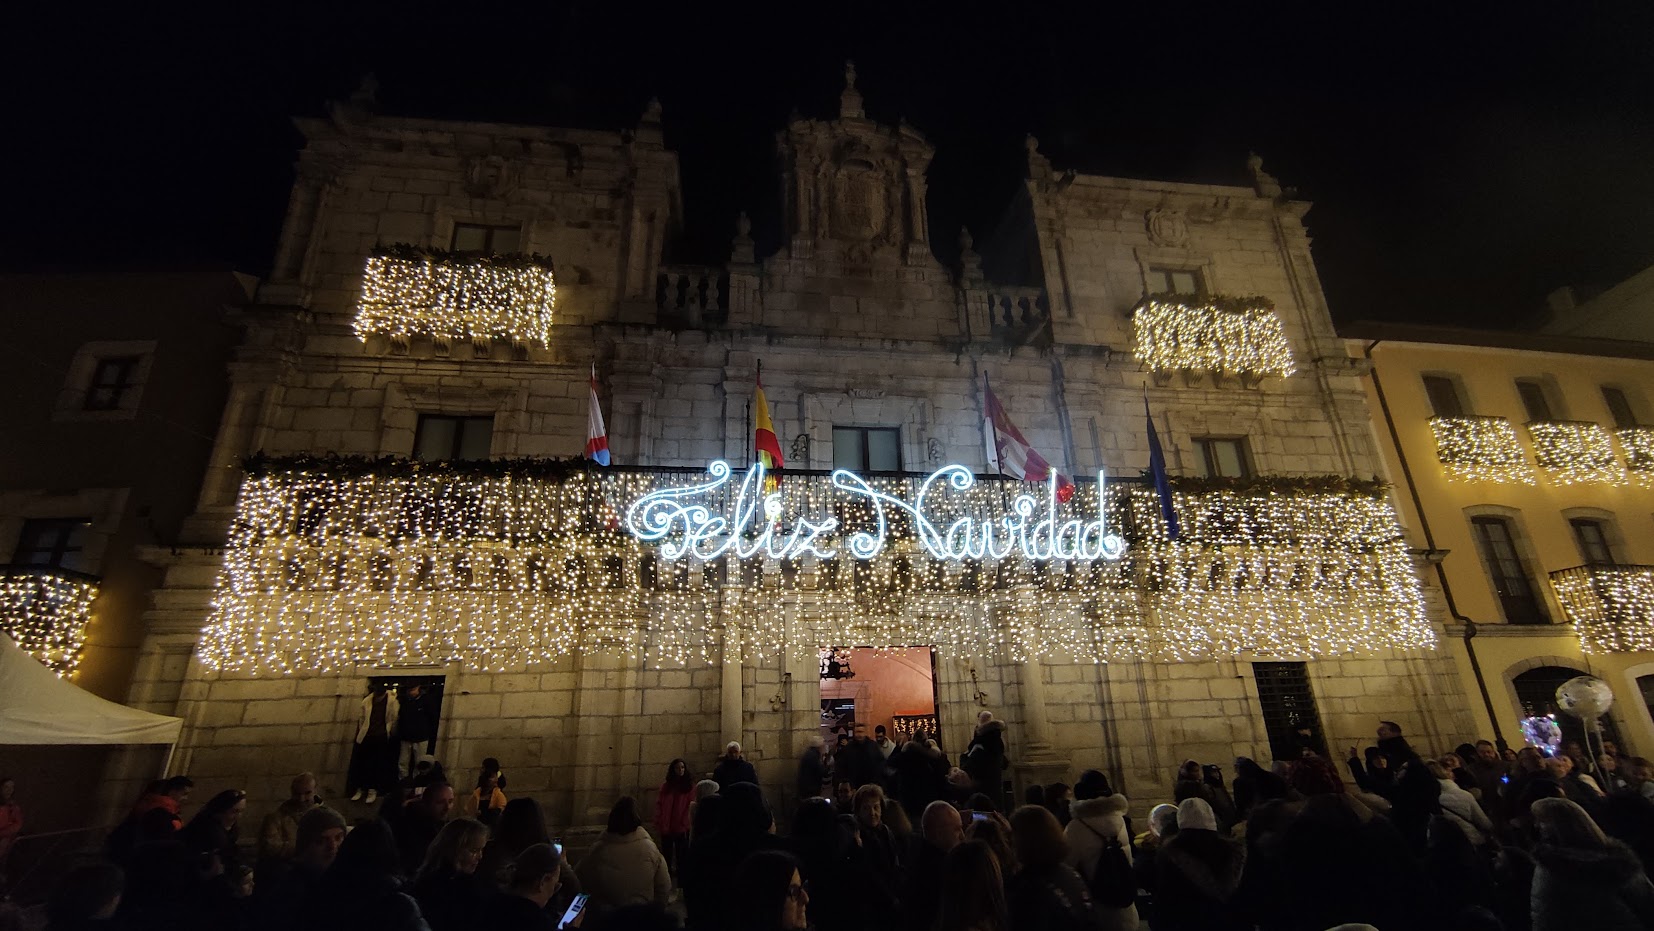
764	441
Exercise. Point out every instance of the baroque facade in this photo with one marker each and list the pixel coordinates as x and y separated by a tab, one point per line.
866	340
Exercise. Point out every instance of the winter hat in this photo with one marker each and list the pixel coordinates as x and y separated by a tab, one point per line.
1193	814
1092	784
314	822
1163	820
705	788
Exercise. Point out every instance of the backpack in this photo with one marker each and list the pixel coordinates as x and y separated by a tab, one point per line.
1112	884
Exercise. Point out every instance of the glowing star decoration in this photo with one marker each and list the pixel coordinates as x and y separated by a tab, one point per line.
1573	452
1228	336
409	292
1480	449
1611	607
45	610
1638	443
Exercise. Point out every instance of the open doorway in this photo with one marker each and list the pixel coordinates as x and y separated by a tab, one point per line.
890	688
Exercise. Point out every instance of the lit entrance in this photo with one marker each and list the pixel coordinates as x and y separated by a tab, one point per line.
895	688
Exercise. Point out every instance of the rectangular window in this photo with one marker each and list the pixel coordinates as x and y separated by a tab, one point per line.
1176	281
1592	537
1534	401
1619	407
52	542
1221	457
1497	542
1444	396
112	380
1289	713
487	240
443	436
867	449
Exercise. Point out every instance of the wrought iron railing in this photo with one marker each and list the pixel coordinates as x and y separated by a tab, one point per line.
1611	607
1481	449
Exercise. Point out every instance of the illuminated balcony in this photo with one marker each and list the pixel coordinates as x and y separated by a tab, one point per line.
1638	443
1611	607
1222	335
1480	449
45	609
408	292
1574	451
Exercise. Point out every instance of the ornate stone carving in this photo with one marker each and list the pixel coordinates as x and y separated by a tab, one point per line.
488	176
799	453
933	451
1167	227
866	393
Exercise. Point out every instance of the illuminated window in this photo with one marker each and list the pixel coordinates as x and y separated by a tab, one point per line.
1175	281
1619	407
1534	401
112	381
1497	541
1444	396
867	449
487	240
51	542
1592	537
443	436
1221	457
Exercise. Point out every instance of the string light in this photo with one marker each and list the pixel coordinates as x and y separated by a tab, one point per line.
1611	607
1481	449
46	610
409	292
1572	452
387	563
1229	336
1638	443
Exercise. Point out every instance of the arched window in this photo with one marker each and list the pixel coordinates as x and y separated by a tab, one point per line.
1536	691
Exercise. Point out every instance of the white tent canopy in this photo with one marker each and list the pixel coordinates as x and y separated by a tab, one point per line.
37	707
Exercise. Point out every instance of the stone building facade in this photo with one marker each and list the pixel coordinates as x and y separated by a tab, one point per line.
858	327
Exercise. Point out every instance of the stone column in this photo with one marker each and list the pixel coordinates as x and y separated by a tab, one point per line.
1034	761
729	703
1037	729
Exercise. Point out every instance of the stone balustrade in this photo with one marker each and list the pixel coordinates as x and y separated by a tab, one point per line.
692	295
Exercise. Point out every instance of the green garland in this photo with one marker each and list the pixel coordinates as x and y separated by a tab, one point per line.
1261	485
411	253
260	465
1220	302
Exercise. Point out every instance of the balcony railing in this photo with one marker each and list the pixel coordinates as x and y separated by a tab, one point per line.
409	292
1226	336
1575	451
1638	443
45	609
1480	449
1611	607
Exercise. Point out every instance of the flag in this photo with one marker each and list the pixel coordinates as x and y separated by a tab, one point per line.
764	442
1157	470
1012	453
597	435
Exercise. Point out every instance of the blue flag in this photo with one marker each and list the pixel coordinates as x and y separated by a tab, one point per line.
1157	469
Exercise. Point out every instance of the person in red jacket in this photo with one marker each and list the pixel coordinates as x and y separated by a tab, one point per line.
672	812
11	819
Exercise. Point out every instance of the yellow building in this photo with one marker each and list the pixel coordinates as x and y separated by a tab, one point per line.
1524	466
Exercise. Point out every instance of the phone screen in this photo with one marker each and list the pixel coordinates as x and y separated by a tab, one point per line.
558	848
979	816
571	918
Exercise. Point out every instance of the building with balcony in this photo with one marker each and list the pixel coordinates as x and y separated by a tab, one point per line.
1523	462
393	487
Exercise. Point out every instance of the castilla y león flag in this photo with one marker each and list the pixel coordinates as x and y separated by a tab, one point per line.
597	435
1012	452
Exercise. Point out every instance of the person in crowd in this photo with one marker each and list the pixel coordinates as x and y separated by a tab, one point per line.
733	768
812	769
1460	807
878	841
1490	773
486	801
921	775
362	890
416	823
1221	801
1190	782
1608	767
941	830
169	887
447	888
1393	745
1459	879
491	767
1254	784
156	815
211	834
1414	799
1162	828
11	819
1456	768
885	744
846	893
844	799
973	890
1576	785
984	760
1629	818
1375	777
1583	879
285	893
861	762
1527	765
416	721
995	831
1046	893
1197	873
624	867
672	803
1099	828
1058	800
278	834
744	826
901	827
1639	776
531	884
86	899
769	894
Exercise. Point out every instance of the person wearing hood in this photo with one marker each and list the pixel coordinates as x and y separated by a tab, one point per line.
1460	807
1197	874
1098	821
1581	878
984	759
624	867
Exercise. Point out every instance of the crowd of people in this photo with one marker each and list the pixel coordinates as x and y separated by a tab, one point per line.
889	835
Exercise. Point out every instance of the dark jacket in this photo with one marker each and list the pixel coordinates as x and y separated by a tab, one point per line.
506	912
1602	890
414	829
1397	751
921	777
985	759
1197	875
416	718
863	763
1051	899
728	772
923	896
450	900
812	773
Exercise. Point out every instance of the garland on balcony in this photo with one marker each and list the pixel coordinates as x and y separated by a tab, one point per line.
1264	485
413	253
1216	333
417	291
1227	303
260	465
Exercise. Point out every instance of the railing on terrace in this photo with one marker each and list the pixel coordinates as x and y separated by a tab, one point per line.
45	610
1224	335
1575	451
1638	443
1480	449
1611	607
411	292
692	295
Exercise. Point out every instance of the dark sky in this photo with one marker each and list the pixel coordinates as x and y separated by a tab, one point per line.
1465	158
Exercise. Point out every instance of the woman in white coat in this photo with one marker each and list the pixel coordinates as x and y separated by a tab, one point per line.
1460	807
625	867
1098	821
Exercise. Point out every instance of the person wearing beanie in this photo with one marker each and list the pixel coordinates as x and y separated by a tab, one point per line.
1197	873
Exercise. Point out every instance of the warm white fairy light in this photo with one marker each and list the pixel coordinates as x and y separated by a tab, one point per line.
1229	336
1481	449
329	570
1574	452
1611	607
456	296
1638	443
45	610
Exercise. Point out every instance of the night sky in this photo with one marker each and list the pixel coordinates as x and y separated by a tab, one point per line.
1465	158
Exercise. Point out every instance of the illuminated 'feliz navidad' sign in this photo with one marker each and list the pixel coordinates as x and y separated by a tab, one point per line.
751	525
